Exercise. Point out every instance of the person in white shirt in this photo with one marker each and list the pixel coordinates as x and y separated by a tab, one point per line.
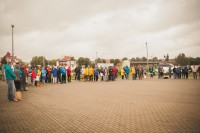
194	70
83	72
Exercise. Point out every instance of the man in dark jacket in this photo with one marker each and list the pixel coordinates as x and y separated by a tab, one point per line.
23	79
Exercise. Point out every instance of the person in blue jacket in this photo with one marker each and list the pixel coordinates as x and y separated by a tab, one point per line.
127	71
44	72
10	76
54	72
63	72
96	73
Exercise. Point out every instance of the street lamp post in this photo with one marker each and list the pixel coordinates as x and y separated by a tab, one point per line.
96	59
12	25
147	54
43	62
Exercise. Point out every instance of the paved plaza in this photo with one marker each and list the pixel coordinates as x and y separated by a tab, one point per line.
152	105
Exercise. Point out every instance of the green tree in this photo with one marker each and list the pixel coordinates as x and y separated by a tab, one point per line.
116	61
83	61
72	58
38	60
137	59
193	61
103	60
125	58
98	60
52	62
4	61
112	61
155	59
181	59
133	59
144	58
167	57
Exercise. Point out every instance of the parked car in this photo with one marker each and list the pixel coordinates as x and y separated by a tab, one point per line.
165	66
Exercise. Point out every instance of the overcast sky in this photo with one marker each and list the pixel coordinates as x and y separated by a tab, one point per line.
113	28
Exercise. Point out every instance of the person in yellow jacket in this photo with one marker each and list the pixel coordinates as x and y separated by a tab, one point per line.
87	73
122	73
38	72
91	73
133	72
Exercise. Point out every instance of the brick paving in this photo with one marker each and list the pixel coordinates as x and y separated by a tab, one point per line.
151	105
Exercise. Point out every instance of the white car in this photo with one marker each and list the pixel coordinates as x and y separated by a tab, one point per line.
165	67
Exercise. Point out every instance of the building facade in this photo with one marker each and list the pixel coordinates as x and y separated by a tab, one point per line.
67	61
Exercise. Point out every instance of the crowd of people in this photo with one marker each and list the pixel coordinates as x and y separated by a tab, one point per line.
19	76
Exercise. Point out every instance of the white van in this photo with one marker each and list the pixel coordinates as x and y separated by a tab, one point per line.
165	66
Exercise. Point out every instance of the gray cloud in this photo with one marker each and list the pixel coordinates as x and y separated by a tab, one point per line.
113	28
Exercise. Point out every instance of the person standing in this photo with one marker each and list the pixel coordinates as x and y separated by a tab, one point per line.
83	72
174	72
137	72
199	71
151	70
186	70
96	73
58	75
127	71
78	73
91	73
43	75
110	73
75	70
17	82
63	72
101	73
33	77
140	70
194	71
48	74
87	73
10	76
54	72
23	79
133	72
106	71
69	72
170	72
122	73
114	73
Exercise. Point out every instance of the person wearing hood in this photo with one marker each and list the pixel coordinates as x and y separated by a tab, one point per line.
17	81
55	74
10	76
63	72
44	72
127	71
33	76
23	79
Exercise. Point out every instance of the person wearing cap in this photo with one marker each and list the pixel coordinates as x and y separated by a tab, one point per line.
10	76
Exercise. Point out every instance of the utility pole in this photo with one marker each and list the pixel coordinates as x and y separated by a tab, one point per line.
12	25
43	62
96	59
147	54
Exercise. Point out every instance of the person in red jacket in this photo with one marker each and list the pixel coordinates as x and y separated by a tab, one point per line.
114	72
69	71
33	76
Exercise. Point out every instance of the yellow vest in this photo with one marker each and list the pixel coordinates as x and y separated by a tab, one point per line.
86	71
122	71
133	70
38	72
91	71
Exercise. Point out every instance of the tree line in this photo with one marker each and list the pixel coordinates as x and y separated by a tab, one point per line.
181	60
